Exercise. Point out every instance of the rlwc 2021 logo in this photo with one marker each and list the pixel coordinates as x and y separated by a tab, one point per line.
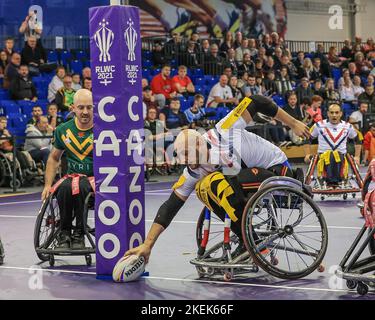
131	38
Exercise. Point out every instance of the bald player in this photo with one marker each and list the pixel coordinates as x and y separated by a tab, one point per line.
75	138
223	166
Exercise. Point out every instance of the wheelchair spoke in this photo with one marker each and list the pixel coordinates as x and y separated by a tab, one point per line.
302	234
286	253
303	245
297	253
294	207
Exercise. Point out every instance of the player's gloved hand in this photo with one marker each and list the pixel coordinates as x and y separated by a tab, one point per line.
142	250
300	129
308	158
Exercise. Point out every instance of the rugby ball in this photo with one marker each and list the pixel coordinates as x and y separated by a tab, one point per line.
128	268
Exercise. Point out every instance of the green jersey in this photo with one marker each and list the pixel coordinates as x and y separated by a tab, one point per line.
78	145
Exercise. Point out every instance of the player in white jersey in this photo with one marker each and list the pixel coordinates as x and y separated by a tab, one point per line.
223	166
333	135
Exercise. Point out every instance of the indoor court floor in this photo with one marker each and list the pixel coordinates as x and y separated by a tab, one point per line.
171	274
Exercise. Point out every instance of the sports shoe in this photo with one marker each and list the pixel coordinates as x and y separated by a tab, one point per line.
78	240
64	240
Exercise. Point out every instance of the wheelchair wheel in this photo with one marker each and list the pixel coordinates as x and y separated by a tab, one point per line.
285	232
3	172
46	227
371	245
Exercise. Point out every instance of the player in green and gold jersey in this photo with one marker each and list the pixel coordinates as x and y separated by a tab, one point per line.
75	138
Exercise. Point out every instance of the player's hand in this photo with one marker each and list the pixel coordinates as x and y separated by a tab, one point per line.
45	193
301	129
143	250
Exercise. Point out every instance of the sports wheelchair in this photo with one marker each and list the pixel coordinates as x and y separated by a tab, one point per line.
350	184
283	232
47	229
359	273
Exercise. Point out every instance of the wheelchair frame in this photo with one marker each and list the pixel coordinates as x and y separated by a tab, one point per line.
45	252
324	191
6	172
226	265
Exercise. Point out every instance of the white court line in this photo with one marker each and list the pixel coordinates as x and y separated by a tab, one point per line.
187	222
193	280
19	202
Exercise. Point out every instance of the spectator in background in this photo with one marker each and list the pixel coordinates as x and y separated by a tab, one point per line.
228	42
56	83
358	89
314	113
358	118
363	66
32	55
270	65
253	48
242	50
346	51
228	72
317	71
323	60
148	98
3	63
304	90
144	83
262	55
22	87
347	91
267	44
183	84
205	49
36	113
270	84
9	48
331	95
172	116
283	82
345	75
318	89
31	27
368	97
86	73
306	70
158	55
53	118
277	57
230	62
39	149
65	95
191	55
260	84
368	46
294	111
247	65
87	84
237	40
370	80
292	70
76	78
162	86
233	84
258	71
352	70
221	94
333	58
251	88
11	71
196	113
215	63
299	60
242	81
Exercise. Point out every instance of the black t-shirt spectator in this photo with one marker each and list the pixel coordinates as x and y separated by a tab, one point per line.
369	99
303	93
294	112
29	55
59	120
174	120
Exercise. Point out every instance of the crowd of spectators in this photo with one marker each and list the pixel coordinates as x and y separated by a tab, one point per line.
304	84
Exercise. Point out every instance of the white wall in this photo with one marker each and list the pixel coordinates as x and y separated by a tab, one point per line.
365	21
309	27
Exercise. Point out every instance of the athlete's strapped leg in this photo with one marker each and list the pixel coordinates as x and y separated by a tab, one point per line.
335	169
66	205
78	241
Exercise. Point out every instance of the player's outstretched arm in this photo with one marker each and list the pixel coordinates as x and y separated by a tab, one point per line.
164	217
51	169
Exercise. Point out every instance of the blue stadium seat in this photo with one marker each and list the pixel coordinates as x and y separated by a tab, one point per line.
156	71
200	81
65	56
279	100
52	56
184	105
146	73
147	63
147	55
4	94
76	66
80	54
199	89
191	100
336	74
173	63
199	72
173	72
9	107
18	121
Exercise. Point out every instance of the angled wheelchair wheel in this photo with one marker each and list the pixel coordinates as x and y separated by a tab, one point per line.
371	245
285	232
46	227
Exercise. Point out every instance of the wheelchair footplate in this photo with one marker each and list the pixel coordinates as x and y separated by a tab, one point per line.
342	188
224	266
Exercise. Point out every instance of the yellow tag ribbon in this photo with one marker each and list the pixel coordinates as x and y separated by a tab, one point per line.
236	113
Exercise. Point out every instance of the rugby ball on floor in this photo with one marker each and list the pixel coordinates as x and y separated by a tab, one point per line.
128	268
